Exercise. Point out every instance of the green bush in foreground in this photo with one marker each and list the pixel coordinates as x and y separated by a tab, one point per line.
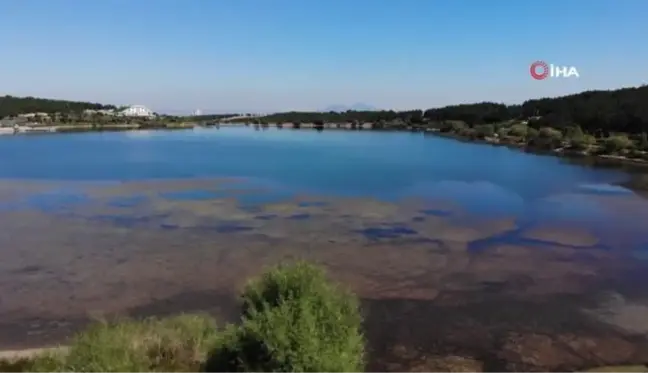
294	320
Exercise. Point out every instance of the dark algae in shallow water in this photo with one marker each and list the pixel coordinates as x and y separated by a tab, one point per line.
387	232
299	217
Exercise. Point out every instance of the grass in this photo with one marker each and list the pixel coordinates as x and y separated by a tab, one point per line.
179	343
293	319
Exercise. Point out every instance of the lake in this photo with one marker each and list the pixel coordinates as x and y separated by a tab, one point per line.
463	254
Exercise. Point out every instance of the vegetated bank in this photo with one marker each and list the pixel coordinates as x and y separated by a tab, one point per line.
293	320
30	114
609	124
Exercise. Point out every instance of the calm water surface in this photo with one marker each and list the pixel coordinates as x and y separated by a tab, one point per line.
430	232
387	166
344	163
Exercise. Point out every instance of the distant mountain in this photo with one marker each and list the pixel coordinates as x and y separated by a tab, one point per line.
355	107
336	108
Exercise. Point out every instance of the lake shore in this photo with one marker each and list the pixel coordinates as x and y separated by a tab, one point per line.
634	165
593	159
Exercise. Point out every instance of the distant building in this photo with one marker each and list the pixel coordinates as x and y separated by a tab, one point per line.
137	111
33	115
104	112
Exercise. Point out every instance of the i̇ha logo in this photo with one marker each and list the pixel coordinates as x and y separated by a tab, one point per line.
541	70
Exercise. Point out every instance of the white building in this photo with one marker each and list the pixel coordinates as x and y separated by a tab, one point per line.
137	111
104	112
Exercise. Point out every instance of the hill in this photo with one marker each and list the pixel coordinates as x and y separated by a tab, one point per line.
12	106
355	107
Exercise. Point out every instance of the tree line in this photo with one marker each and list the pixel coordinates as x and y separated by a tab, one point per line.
599	113
12	106
596	112
211	117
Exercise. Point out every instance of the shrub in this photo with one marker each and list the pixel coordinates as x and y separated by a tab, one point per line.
531	133
43	362
470	133
503	132
635	153
583	142
178	343
550	133
545	138
574	132
294	320
617	143
500	125
643	141
457	126
518	130
485	130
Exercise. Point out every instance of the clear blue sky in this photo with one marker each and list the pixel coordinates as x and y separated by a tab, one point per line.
269	55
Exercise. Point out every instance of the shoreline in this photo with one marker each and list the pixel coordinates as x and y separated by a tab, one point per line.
90	127
27	353
558	152
597	160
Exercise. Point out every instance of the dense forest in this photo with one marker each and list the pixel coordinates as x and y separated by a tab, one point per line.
12	106
595	112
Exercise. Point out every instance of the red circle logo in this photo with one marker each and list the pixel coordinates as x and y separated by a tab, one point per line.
539	65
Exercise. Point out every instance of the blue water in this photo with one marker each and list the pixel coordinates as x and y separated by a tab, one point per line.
384	165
